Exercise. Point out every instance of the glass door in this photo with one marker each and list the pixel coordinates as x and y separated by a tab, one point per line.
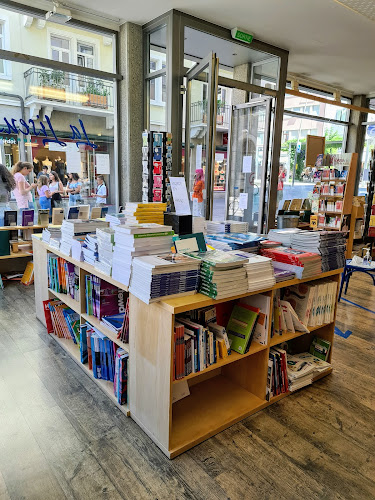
200	129
248	162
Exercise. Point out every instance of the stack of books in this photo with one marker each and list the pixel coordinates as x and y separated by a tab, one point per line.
228	226
53	232
90	249
259	269
106	243
248	242
282	274
135	240
283	236
75	227
222	274
303	264
115	219
300	370
164	276
113	322
145	212
331	245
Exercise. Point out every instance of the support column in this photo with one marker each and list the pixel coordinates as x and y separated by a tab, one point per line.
130	106
356	133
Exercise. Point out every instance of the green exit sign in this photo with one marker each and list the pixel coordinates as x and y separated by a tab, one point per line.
241	35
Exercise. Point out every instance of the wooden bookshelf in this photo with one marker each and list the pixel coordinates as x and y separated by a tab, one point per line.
42	292
221	395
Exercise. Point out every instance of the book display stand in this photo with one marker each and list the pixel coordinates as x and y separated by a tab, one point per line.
333	191
220	395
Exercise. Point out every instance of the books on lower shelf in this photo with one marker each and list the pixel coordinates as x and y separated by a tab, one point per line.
62	321
103	298
63	276
306	305
196	346
105	359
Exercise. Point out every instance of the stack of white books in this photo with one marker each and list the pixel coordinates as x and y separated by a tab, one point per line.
259	269
90	249
75	227
106	244
302	368
164	276
283	236
115	219
51	232
199	225
135	240
227	226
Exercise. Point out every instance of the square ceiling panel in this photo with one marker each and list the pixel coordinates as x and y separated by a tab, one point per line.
364	7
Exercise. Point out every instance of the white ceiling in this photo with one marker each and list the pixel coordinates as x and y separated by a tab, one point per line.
327	41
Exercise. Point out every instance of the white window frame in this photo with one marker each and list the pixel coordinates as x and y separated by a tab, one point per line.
74	39
7	65
158	101
84	42
51	48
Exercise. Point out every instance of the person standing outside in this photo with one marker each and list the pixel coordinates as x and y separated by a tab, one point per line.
44	171
44	193
56	187
7	184
198	191
74	189
101	191
22	191
280	184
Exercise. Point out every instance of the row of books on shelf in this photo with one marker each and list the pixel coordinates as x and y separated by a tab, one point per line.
103	298
106	360
25	217
336	189
298	307
330	206
329	221
327	174
289	372
63	276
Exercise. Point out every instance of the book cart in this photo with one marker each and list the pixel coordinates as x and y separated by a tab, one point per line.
42	292
221	395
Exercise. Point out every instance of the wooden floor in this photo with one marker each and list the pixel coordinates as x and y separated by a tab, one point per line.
60	437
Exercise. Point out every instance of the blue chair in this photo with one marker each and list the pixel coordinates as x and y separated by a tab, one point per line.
349	269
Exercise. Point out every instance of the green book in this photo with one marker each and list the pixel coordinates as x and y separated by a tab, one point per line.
241	327
320	348
4	243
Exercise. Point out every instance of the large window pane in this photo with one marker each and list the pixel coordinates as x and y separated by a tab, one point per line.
157	104
50	40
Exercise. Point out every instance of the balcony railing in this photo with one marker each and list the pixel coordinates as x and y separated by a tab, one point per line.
198	114
70	88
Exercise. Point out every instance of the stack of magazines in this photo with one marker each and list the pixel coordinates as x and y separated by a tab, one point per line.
331	245
164	276
222	274
135	240
248	242
303	264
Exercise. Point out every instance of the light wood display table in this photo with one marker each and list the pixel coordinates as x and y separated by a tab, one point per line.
221	395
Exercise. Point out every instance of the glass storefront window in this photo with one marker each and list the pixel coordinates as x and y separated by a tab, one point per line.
60	108
157	103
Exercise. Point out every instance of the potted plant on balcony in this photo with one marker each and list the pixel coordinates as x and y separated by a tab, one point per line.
51	85
97	95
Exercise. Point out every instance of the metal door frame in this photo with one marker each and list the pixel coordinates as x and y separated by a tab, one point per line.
258	101
212	63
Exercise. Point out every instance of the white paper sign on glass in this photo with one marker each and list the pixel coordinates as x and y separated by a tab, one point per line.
243	202
219	156
180	195
198	156
246	164
73	158
102	163
53	146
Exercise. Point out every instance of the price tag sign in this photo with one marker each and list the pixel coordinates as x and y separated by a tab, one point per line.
180	195
243	202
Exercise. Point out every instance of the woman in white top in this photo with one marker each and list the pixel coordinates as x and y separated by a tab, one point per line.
101	191
56	188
